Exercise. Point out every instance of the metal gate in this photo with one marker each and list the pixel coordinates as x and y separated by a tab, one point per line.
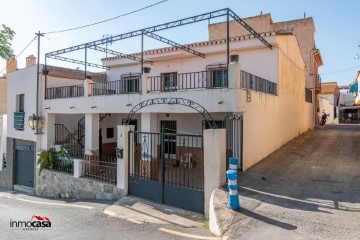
157	174
234	138
25	162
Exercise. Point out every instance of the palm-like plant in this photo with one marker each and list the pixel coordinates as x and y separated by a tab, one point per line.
50	159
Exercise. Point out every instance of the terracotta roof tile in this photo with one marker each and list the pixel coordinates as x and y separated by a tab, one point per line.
205	43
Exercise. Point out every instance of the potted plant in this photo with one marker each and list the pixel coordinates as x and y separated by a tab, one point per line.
147	70
234	57
50	159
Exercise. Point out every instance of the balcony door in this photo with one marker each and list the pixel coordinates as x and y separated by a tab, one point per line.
169	81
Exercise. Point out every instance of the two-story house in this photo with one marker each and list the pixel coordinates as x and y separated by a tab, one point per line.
170	95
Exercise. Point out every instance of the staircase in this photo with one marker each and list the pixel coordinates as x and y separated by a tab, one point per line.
65	138
80	132
103	116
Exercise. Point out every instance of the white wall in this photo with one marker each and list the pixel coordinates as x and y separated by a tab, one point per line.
209	99
70	121
59	82
329	97
22	82
112	122
346	99
3	135
324	104
257	59
187	123
254	58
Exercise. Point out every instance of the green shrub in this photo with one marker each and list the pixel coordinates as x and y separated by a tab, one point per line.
50	159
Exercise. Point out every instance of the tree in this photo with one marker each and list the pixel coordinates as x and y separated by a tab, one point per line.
6	36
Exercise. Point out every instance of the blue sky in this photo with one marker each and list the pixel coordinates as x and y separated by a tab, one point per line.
337	24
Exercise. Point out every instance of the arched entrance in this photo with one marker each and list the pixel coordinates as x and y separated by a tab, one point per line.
168	167
171	101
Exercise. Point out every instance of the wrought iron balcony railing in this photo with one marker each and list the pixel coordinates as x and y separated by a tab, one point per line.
211	78
123	86
308	95
64	92
250	81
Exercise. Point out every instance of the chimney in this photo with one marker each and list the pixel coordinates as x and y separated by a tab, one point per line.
11	65
30	60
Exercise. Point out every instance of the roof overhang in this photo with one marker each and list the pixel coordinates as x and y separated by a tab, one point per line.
317	57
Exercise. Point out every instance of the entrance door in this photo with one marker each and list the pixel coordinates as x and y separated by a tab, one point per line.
169	140
25	167
154	177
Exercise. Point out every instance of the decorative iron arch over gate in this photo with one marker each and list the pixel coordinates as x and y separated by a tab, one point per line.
179	101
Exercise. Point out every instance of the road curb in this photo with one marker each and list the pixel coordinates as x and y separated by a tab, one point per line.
220	216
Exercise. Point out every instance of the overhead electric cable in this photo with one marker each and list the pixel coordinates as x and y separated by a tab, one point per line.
106	20
340	71
19	53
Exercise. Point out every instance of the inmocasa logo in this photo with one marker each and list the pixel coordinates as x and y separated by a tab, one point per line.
35	223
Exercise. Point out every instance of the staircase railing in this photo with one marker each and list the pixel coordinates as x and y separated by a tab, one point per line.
65	138
81	130
103	116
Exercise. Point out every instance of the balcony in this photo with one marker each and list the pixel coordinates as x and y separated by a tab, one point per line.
250	81
211	78
64	92
123	86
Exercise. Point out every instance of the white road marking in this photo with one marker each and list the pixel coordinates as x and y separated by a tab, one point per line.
187	234
134	221
49	203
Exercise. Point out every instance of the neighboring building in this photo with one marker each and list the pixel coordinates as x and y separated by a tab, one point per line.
11	66
304	30
328	100
356	88
21	142
349	104
179	95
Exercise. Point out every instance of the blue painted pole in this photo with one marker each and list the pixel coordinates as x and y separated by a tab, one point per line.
234	203
233	163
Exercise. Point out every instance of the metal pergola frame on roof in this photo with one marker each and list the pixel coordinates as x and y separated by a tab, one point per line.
150	32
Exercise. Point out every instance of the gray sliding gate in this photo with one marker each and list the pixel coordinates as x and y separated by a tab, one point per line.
24	166
167	168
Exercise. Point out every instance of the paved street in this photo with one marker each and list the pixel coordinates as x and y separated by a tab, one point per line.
83	220
309	189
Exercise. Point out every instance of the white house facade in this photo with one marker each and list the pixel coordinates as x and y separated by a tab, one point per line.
261	93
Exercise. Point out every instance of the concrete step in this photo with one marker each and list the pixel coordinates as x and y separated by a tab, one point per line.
24	189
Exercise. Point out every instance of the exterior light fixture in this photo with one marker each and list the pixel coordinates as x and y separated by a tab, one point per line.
147	70
35	123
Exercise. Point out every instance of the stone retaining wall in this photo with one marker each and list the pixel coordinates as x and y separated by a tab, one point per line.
62	185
